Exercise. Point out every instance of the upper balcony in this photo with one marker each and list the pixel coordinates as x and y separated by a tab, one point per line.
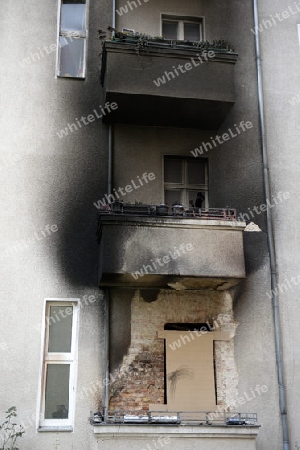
197	251
162	83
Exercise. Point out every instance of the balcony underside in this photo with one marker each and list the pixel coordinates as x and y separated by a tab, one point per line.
154	110
167	282
198	98
164	253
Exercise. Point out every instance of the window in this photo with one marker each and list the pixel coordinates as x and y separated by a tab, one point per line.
59	364
72	39
182	28
183	179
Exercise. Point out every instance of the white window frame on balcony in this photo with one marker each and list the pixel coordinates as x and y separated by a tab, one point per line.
48	358
181	20
184	186
71	35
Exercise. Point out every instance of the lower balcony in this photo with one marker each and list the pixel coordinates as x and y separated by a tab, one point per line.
179	252
206	434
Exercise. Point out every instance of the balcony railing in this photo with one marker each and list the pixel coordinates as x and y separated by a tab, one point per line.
164	210
216	418
200	97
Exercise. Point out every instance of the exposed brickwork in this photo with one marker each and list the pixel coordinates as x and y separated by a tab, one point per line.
140	379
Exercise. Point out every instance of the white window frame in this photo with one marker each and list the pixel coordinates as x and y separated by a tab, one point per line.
74	35
298	26
184	187
181	19
70	358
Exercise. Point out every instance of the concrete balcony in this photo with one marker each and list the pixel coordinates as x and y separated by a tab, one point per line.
198	97
140	437
170	252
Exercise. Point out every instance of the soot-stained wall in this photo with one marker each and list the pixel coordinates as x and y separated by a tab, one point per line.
139	378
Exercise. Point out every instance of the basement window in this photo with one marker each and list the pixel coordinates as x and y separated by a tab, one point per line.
59	365
183	179
71	61
182	28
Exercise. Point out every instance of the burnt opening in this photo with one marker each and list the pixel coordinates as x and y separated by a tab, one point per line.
188	326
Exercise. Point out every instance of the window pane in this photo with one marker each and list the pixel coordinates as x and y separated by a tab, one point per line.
57	391
169	30
197	201
173	170
60	328
191	32
173	197
195	172
72	57
73	17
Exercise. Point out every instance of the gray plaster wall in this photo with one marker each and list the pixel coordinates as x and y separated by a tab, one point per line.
281	83
48	180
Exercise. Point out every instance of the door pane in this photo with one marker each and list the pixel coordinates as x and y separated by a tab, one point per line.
196	172
73	17
60	329
173	170
57	391
192	32
173	197
72	57
170	30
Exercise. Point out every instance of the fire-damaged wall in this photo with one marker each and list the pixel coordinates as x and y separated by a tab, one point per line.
138	354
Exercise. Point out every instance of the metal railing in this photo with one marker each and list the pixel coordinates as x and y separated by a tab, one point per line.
215	418
164	210
173	44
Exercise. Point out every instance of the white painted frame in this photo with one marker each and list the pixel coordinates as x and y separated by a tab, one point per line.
58	358
184	186
173	18
78	35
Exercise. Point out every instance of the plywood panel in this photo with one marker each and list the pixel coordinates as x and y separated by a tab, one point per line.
190	370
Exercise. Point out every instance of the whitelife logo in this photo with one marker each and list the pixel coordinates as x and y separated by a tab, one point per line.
168	76
110	198
279	17
87	120
124	9
163	260
243	126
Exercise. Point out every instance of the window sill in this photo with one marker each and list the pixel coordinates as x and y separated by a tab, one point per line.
70	77
55	429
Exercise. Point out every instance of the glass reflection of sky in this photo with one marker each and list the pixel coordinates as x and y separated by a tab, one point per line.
73	17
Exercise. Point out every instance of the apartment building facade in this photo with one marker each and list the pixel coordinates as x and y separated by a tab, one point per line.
126	323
